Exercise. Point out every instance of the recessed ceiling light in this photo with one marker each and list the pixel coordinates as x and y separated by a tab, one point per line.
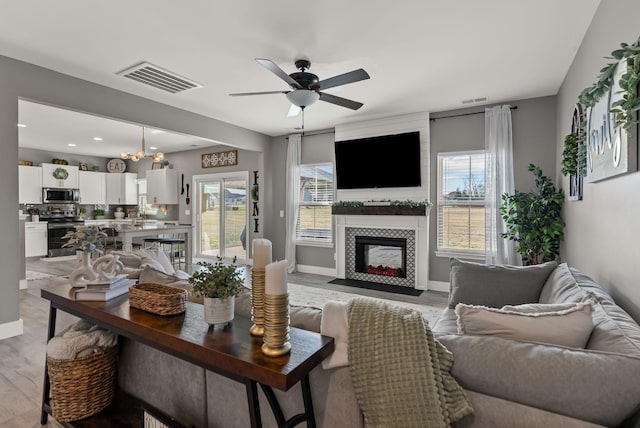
97	138
22	125
153	148
71	145
157	131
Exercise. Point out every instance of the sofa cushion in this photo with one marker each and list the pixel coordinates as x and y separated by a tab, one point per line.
614	329
447	323
570	327
496	286
562	287
599	387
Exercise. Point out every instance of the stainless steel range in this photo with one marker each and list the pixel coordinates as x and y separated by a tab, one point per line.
60	220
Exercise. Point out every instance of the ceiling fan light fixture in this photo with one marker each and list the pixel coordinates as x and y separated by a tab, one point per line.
303	97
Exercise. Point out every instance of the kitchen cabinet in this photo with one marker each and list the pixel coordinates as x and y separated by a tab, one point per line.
48	179
162	186
93	187
122	188
35	239
29	184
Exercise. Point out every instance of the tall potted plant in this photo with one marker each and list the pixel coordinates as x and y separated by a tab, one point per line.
218	284
534	220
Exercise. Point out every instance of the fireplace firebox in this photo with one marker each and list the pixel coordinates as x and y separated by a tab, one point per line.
381	256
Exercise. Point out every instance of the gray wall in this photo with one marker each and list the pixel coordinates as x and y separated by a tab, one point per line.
533	124
23	80
43	156
315	148
602	231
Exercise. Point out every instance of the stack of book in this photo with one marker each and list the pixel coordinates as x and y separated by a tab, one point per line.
105	290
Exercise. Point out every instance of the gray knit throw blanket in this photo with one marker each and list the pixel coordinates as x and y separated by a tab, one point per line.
400	372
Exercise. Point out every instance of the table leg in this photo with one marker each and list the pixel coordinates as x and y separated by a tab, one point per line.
254	404
308	416
127	243
46	400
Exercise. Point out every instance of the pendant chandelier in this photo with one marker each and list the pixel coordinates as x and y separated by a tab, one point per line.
142	154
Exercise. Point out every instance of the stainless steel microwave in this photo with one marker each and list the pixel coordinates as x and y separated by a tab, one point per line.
60	196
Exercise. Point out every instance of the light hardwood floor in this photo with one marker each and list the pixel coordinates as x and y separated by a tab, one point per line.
22	358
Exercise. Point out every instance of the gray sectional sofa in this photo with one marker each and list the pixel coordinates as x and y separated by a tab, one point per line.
509	382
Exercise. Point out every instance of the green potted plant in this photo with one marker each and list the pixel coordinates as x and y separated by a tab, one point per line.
81	212
534	220
98	213
218	284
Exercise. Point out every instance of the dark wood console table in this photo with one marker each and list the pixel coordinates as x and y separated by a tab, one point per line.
230	351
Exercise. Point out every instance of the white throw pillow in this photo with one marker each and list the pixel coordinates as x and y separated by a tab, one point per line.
569	327
532	308
156	252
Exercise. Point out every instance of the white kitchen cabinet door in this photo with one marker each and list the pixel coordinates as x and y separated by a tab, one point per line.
29	184
49	180
162	186
122	188
35	239
93	187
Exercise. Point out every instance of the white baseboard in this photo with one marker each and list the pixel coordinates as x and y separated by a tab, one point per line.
23	284
316	270
10	329
439	286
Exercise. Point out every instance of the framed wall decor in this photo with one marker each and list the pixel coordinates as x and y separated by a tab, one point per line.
157	165
83	166
226	158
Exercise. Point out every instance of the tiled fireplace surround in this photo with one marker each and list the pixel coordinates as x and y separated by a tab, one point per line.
412	227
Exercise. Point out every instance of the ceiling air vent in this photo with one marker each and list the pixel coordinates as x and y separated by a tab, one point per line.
475	100
160	78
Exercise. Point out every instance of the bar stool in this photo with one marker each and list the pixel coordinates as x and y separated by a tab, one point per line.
175	244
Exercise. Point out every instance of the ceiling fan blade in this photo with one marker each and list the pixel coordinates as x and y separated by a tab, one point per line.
343	79
272	67
294	110
353	105
258	93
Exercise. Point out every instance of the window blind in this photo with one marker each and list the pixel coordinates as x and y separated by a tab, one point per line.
461	199
314	221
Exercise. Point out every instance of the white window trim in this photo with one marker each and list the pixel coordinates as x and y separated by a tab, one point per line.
453	252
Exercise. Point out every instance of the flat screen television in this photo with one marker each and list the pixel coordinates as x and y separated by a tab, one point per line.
379	162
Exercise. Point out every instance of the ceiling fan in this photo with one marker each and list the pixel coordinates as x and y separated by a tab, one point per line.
306	87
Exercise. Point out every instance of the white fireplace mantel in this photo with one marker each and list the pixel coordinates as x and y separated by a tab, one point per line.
417	223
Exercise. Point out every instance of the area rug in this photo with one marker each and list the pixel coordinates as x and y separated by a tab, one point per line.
33	275
301	295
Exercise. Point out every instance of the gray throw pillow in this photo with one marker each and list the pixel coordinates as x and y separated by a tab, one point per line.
496	286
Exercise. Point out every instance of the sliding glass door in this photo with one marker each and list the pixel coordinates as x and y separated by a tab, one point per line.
221	215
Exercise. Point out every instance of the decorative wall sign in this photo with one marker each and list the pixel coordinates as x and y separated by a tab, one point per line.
255	197
576	180
226	158
611	150
116	165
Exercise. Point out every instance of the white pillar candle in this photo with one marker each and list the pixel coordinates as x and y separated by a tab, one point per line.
275	278
261	253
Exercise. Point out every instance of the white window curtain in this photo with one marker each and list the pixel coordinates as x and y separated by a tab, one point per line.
292	199
498	180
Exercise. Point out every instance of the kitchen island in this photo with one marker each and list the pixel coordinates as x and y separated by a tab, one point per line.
128	232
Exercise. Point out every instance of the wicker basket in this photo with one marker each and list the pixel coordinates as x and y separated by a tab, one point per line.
158	298
82	387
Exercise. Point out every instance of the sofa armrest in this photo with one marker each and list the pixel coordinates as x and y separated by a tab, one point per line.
594	386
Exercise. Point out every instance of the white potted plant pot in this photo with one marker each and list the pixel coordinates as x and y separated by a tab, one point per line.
218	311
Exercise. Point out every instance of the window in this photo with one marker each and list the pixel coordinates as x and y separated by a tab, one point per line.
316	197
461	203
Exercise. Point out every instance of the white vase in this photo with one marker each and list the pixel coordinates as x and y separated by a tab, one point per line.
84	272
218	311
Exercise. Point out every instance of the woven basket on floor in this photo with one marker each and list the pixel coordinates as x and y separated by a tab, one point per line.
158	298
82	387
